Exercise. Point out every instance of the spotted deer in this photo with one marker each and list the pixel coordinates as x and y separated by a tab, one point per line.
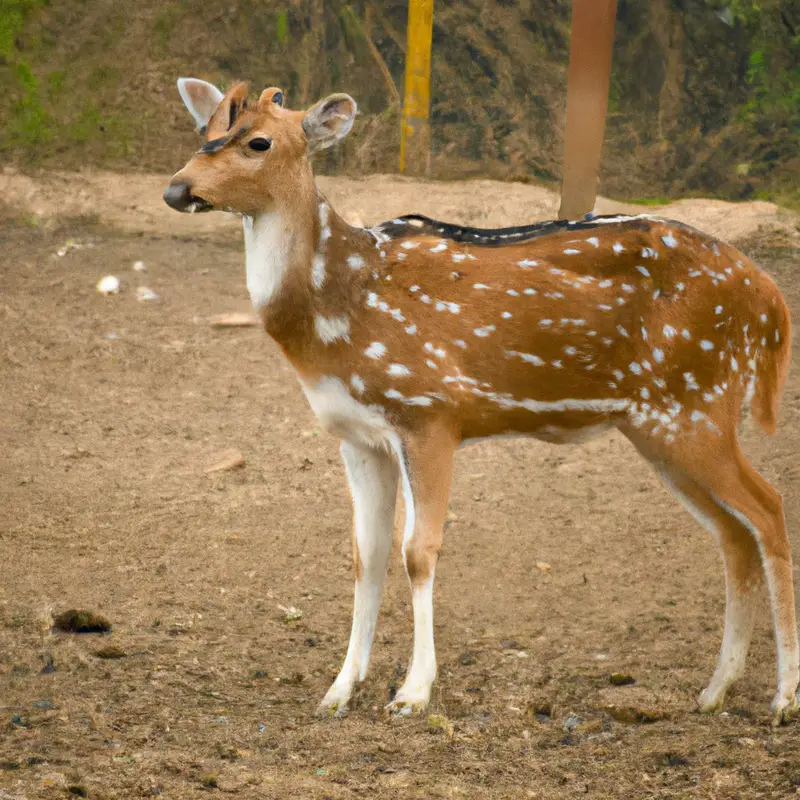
415	336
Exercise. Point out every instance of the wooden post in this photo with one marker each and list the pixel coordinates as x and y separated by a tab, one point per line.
415	132
591	40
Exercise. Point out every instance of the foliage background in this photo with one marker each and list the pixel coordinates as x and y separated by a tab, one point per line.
705	95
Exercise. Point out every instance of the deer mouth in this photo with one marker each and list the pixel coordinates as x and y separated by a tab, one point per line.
197	205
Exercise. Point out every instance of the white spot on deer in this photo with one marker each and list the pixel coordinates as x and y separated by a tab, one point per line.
777	336
526	262
425	299
658	355
626	287
571	251
557	364
662	384
512	292
393	394
708	397
747	281
529	291
570	350
635	368
644	333
648	252
706	345
604	307
623	331
318	270
594	241
734	364
619	374
439	248
643	270
409	245
691	382
669	240
686	335
376	350
618	248
545	323
763	317
480	286
645	393
414	288
528	358
431	364
460	343
398	315
458	257
669	332
398	370
718	310
357	384
411	330
606	283
400	256
355	261
329	329
372	300
506	315
485	331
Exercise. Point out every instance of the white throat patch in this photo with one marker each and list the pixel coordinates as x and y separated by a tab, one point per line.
266	246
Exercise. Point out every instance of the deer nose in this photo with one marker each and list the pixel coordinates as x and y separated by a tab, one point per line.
178	196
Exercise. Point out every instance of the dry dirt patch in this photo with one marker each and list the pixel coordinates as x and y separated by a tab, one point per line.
229	592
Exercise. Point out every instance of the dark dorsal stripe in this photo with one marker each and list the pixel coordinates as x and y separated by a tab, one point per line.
416	224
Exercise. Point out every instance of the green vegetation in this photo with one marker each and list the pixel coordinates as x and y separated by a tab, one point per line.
705	97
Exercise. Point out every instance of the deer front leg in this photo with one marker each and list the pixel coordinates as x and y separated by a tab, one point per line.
426	465
372	475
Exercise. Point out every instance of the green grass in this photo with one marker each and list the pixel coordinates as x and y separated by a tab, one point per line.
648	201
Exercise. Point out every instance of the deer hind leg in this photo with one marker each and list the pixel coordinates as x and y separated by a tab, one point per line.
717	466
426	462
743	581
372	475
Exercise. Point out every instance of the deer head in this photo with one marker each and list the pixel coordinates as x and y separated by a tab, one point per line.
255	157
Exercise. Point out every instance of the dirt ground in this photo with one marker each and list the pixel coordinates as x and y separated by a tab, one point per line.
110	411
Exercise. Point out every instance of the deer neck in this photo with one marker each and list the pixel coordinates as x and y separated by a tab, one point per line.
294	266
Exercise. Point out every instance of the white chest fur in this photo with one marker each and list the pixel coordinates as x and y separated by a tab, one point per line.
266	244
343	416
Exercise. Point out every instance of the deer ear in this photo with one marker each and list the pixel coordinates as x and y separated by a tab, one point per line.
201	98
329	120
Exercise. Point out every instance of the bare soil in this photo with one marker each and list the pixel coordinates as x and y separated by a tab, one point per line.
111	410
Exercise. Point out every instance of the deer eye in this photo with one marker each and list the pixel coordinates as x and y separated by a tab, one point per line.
260	144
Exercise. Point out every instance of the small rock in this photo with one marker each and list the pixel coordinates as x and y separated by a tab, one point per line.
620	679
228	460
438	723
144	294
510	644
236	320
291	614
572	722
635	714
110	652
139	266
75	621
543	566
467	659
44	705
109	284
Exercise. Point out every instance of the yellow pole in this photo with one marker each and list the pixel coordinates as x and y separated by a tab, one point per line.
591	39
415	131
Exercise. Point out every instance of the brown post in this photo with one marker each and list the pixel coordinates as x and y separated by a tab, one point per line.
591	40
415	132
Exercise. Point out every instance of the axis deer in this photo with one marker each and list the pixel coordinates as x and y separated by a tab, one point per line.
416	335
